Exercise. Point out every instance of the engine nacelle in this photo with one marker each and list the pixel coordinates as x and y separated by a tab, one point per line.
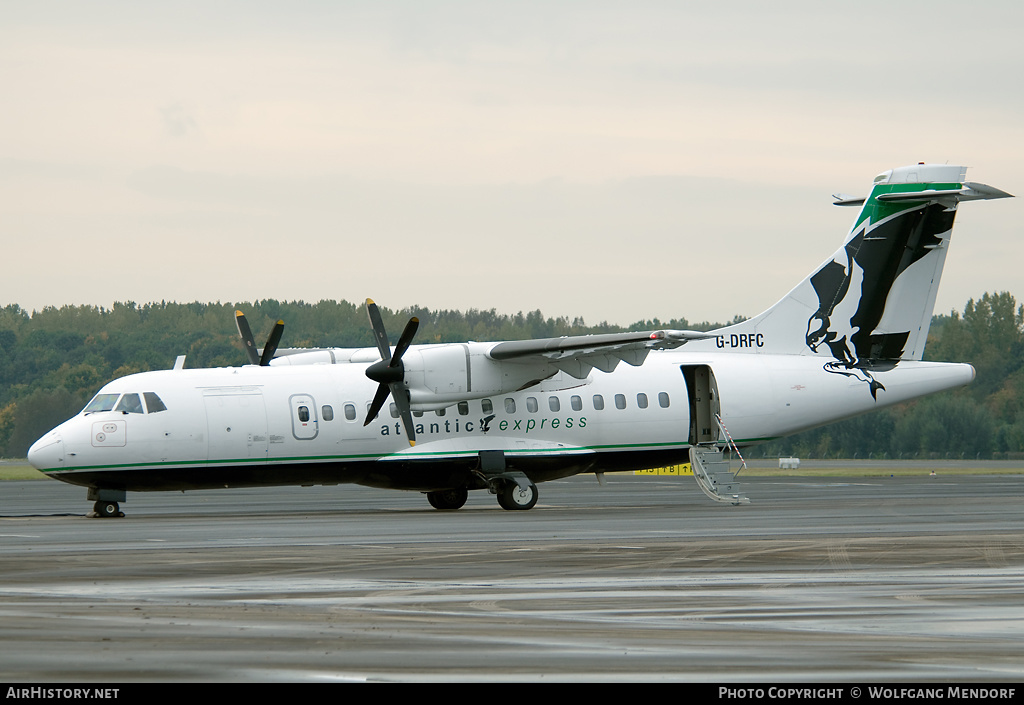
440	375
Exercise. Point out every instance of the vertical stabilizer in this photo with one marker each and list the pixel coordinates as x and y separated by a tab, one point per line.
870	304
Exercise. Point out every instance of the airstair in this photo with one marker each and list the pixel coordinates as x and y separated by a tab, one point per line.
713	471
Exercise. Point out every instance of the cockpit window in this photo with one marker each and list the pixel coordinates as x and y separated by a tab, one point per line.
130	404
101	402
153	402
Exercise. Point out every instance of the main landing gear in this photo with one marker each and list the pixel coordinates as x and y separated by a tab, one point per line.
511	496
515	491
448	499
514	496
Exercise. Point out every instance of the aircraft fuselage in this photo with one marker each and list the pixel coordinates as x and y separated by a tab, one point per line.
262	426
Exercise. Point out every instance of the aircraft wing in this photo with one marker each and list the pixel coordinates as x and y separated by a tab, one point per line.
439	375
577	355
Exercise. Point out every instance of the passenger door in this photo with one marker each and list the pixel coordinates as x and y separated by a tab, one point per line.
236	421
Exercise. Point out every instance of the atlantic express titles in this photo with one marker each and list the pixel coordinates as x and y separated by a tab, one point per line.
485	424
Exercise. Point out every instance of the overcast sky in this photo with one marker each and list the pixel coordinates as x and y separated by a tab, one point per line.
611	160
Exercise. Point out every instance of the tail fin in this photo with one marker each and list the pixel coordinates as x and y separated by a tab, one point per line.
871	303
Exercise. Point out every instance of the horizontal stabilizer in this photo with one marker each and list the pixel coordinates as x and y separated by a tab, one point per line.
968	192
981	192
921	195
845	199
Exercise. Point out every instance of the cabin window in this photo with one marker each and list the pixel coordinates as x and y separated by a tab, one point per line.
510	406
463	408
101	402
487	406
153	402
663	399
130	404
620	401
303	414
554	404
327	413
393	408
350	412
531	405
641	400
598	402
440	412
576	403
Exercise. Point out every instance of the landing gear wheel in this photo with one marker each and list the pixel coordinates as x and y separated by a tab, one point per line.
514	497
107	509
448	499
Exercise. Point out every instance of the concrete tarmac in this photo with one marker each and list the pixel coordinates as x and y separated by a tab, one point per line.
642	579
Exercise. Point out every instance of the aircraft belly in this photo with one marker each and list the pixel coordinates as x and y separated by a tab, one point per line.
632	460
201	476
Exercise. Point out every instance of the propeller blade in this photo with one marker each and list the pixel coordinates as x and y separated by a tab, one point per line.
406	339
246	333
402	400
272	342
379	334
397	392
378	401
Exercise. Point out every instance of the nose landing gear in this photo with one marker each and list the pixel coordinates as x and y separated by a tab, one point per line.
106	503
106	509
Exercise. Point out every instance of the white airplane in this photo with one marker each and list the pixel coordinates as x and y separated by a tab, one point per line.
505	416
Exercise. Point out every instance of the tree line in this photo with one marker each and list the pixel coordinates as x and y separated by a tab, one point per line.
53	361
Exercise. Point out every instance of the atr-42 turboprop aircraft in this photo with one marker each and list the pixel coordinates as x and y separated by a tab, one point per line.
505	416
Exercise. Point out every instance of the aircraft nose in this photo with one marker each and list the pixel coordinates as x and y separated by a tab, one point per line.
48	452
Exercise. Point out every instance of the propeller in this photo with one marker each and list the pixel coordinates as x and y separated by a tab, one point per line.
389	373
250	345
